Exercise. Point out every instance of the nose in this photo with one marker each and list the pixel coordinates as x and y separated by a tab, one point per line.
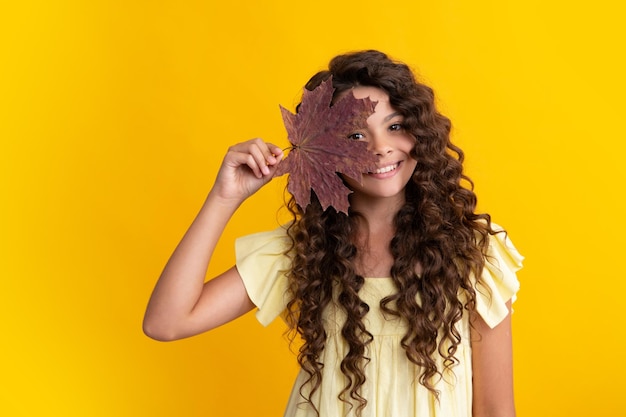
380	145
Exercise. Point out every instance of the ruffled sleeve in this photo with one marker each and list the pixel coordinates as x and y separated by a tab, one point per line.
499	277
263	265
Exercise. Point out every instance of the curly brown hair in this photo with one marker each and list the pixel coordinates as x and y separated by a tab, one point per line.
437	231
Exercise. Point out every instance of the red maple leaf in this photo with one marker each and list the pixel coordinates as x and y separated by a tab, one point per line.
320	148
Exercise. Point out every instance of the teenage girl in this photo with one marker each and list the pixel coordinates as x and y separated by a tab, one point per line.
402	306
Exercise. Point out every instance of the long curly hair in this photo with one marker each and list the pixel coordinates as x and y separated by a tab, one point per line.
436	230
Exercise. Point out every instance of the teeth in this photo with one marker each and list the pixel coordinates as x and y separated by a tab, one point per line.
386	169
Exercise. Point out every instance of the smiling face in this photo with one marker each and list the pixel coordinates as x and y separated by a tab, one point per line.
387	138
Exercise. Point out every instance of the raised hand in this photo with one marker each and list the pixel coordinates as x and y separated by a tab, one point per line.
247	166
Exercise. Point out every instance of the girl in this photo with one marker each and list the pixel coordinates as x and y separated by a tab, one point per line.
403	305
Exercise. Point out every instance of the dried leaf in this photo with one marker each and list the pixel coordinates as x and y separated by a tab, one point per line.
320	149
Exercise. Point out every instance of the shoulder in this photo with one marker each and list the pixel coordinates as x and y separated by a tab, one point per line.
502	256
498	283
275	241
263	263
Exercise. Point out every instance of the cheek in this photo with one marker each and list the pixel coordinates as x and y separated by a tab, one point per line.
409	144
411	164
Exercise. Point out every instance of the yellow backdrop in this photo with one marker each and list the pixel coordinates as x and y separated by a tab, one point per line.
115	116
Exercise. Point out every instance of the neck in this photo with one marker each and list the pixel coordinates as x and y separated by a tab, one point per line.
375	230
377	211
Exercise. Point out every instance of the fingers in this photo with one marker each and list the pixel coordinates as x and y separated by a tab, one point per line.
258	155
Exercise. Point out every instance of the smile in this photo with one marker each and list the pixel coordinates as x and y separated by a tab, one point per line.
386	169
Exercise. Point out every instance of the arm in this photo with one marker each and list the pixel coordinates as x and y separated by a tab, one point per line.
182	304
492	368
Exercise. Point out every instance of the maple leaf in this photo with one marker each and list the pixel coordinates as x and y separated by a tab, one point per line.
320	148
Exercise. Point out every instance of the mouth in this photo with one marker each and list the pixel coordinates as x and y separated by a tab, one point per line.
385	169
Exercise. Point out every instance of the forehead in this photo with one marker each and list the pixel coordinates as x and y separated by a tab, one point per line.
374	93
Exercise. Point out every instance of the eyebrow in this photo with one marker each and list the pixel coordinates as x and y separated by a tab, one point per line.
391	116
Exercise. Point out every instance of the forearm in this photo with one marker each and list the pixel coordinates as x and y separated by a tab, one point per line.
181	283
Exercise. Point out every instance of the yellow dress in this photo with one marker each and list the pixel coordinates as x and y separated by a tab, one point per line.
391	388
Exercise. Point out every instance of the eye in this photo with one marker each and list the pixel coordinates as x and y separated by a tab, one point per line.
395	127
356	136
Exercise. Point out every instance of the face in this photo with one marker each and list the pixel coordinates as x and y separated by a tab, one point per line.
386	137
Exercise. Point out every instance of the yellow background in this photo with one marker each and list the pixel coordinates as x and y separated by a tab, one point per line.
115	116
